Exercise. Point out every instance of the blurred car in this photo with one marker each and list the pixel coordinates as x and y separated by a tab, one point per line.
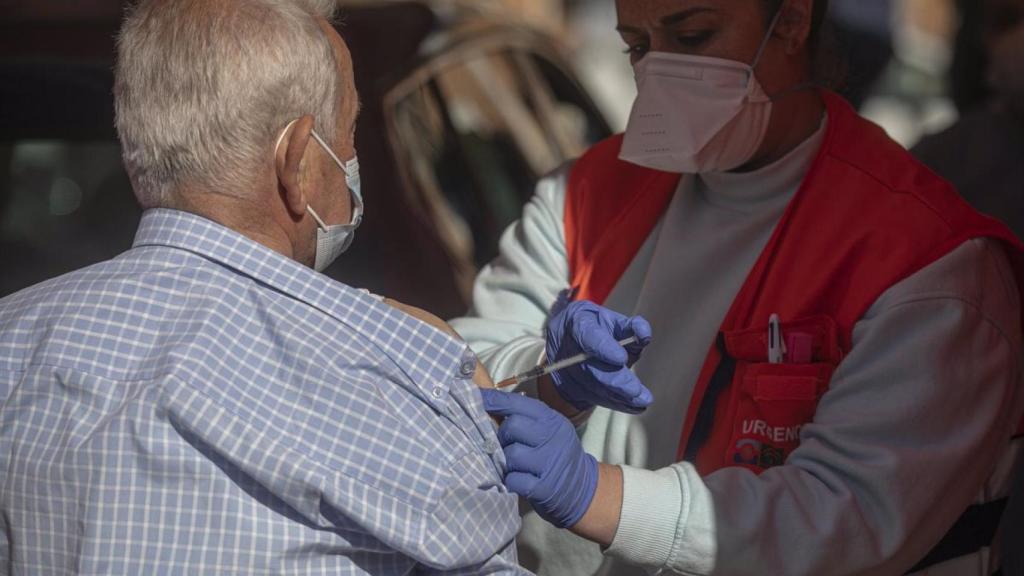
464	108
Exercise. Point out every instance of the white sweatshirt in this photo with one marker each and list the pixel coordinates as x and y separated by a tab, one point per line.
917	416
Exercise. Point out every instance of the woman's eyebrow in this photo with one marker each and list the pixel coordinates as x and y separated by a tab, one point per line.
683	15
670	20
630	29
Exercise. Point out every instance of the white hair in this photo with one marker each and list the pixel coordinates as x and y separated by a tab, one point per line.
203	87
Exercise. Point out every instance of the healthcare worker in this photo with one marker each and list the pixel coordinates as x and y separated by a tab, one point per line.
834	376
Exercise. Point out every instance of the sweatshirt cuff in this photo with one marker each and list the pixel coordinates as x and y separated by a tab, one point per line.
652	505
518	356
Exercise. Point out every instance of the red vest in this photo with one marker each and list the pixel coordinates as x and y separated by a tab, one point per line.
866	217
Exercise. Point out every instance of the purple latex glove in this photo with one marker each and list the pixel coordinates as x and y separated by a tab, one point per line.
546	463
605	379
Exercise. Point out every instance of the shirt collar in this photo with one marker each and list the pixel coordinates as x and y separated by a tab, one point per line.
393	332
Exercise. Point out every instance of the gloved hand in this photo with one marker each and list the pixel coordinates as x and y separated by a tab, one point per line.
605	379
546	463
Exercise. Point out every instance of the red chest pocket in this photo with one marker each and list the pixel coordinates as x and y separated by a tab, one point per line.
772	402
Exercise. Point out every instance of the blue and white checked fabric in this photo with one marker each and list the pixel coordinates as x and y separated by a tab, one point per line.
204	405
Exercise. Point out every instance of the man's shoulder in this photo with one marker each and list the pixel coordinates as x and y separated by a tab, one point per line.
105	314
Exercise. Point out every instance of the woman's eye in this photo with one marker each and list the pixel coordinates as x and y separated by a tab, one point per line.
694	40
637	51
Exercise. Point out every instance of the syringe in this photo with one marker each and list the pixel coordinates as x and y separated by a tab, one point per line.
541	371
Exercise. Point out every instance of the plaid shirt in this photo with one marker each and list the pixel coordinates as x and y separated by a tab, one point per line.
204	405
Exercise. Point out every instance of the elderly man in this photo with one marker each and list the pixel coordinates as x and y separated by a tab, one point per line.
207	403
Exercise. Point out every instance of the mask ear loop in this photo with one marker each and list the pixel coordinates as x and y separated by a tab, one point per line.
344	169
330	152
768	36
810	84
283	133
316	217
760	52
319	221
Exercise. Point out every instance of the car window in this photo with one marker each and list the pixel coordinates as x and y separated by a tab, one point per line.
428	149
574	116
474	146
476	135
63	205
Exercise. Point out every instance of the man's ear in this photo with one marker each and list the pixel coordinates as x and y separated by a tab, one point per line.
794	25
288	162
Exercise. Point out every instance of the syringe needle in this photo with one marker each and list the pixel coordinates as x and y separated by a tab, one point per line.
541	371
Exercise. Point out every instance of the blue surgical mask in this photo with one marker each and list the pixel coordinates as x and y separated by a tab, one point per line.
333	241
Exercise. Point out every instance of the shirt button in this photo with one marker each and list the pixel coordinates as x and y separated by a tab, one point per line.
437	392
491	446
468	366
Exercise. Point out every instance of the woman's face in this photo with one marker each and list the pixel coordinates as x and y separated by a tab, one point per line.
729	29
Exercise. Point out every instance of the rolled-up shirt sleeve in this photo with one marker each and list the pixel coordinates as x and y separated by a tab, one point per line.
389	450
504	563
915	420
